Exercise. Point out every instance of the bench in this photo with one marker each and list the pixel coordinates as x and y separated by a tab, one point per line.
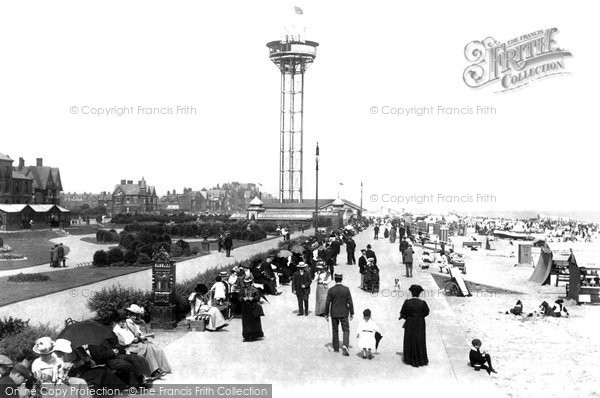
472	244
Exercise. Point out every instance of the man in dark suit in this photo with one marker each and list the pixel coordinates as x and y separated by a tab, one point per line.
335	245
362	266
350	248
339	306
301	287
371	254
228	243
330	258
132	368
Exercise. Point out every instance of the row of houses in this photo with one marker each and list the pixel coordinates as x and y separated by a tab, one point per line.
128	197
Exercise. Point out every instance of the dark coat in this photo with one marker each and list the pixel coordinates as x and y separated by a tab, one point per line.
298	280
371	254
339	302
415	310
407	256
335	245
403	245
228	242
476	357
351	246
362	264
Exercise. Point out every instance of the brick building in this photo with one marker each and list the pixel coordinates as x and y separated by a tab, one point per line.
129	198
23	184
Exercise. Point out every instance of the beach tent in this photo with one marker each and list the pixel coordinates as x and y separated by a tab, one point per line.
541	273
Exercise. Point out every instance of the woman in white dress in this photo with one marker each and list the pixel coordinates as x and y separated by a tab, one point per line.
323	279
365	333
199	306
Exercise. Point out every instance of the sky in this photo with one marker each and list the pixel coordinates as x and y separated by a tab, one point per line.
62	59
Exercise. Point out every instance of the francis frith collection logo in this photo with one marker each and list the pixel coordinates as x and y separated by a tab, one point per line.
516	62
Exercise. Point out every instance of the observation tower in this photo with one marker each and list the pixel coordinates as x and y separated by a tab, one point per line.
292	56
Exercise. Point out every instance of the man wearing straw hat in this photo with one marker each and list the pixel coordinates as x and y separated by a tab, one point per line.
301	287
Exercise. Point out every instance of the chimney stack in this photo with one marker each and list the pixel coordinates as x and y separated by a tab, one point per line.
39	162
122	182
129	182
21	164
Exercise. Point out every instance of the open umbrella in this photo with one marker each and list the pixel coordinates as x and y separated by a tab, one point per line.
86	332
284	253
297	249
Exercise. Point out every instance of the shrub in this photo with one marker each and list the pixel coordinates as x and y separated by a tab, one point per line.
107	236
143	258
100	259
24	278
129	257
115	255
11	325
106	302
18	346
176	250
1	242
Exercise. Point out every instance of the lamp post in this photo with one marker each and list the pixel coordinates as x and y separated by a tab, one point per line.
361	197
317	190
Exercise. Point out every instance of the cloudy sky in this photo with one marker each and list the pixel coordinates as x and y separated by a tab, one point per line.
538	151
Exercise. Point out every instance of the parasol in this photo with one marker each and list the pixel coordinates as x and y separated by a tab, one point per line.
86	332
284	254
297	249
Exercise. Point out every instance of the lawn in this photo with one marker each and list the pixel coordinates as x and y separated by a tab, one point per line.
11	292
71	278
34	245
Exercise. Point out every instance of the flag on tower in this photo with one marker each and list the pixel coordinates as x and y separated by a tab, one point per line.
298	10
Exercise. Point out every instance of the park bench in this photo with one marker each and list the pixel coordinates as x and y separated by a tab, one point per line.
472	243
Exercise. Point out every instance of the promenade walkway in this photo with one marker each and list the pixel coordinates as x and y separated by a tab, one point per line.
295	355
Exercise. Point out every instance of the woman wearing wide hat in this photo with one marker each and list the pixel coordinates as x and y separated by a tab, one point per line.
414	311
251	310
323	279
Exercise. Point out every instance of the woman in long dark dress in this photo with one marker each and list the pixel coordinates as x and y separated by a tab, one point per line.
414	311
251	311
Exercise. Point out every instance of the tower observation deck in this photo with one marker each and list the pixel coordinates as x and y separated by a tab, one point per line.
292	57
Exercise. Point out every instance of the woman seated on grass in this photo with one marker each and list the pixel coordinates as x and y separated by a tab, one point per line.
199	307
131	338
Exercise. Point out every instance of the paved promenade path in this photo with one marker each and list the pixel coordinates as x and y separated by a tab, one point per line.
55	308
295	355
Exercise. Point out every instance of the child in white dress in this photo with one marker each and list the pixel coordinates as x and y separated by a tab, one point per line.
365	334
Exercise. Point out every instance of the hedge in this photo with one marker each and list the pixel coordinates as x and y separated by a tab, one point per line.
25	278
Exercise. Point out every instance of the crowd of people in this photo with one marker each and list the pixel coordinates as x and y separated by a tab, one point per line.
113	360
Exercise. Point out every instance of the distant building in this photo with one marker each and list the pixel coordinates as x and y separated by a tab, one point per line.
342	211
189	201
23	184
223	199
129	198
73	201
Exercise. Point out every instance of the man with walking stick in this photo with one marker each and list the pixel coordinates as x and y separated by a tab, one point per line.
339	306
